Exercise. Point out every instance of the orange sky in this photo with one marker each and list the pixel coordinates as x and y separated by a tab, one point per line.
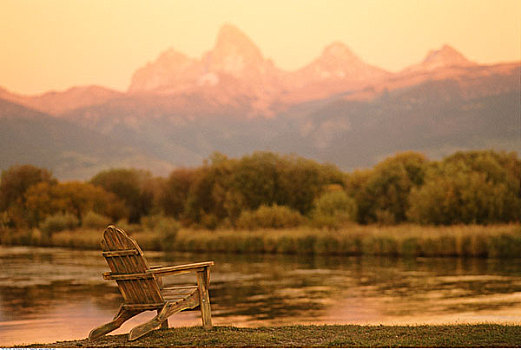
56	44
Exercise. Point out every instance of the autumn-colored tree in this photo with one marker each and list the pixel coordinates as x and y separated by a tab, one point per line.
13	185
76	198
131	186
175	189
477	187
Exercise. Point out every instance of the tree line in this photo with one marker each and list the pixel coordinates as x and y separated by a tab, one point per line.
266	189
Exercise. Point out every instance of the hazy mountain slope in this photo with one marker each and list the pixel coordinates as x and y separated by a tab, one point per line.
170	129
437	117
70	151
433	117
57	102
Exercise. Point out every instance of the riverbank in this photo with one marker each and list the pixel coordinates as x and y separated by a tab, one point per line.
495	241
454	336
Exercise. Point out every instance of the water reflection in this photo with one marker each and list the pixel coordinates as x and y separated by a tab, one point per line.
43	289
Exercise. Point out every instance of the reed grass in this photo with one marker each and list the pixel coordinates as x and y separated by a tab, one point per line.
497	241
501	241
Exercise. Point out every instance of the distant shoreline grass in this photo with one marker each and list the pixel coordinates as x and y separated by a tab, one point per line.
495	241
460	336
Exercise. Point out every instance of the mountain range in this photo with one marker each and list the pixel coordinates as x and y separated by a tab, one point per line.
177	110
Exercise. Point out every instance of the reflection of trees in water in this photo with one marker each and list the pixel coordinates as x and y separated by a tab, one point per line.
291	286
34	300
265	287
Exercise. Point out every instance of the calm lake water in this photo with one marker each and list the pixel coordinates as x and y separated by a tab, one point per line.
50	294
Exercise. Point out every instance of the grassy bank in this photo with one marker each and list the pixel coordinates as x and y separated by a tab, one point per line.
500	241
484	335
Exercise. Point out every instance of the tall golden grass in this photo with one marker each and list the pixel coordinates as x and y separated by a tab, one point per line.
403	240
497	241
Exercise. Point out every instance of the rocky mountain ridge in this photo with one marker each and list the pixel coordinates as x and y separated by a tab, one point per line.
178	110
235	70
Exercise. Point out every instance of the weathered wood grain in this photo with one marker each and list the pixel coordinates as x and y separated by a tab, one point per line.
118	320
203	285
168	310
142	288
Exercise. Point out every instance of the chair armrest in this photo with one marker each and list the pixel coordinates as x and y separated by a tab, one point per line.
179	268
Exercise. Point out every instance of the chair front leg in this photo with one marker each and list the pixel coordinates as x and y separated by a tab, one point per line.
203	283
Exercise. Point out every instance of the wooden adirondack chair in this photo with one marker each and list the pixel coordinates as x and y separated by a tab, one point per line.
142	290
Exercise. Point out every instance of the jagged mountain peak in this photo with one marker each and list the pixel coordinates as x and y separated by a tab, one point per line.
339	50
447	56
338	63
171	70
444	57
171	55
231	36
233	47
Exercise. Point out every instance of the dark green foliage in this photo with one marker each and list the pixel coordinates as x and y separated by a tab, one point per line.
174	194
382	193
225	187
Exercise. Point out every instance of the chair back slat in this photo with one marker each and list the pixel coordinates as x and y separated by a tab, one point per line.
124	256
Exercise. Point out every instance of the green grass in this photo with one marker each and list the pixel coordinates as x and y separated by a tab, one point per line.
482	335
495	241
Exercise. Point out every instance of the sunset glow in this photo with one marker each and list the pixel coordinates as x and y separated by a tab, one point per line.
58	44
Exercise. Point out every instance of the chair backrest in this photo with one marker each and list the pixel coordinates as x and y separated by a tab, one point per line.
126	260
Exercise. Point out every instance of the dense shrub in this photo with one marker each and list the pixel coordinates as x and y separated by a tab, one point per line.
333	210
58	222
275	216
167	229
164	228
95	220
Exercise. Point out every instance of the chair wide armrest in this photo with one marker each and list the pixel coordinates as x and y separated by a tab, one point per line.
180	268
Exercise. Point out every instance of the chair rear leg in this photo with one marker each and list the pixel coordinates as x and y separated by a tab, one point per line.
118	320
